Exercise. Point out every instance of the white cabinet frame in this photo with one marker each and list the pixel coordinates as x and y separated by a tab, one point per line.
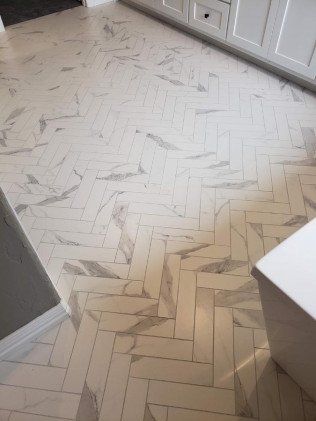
262	32
216	27
264	28
181	15
284	21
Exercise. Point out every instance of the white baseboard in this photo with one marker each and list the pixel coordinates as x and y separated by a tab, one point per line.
92	3
1	25
34	329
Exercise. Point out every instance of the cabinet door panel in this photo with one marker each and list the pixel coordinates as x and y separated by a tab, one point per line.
294	37
251	24
178	9
209	16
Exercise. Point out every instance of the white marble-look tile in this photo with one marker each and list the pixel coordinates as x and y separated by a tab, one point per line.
31	375
156	412
267	385
84	190
92	396
113	400
223	348
295	194
204	326
94	201
172	370
64	343
260	339
32	353
19	416
222	222
222	281
239	250
248	318
122	304
100	254
135	400
236	299
134	324
245	373
151	170
279	183
178	414
191	397
154	346
140	255
114	286
42	402
79	361
154	270
184	327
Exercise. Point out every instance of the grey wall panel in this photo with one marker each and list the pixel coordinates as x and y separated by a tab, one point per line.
26	291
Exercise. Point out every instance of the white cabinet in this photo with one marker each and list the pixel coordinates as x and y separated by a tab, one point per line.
293	41
147	3
177	9
251	24
209	16
278	32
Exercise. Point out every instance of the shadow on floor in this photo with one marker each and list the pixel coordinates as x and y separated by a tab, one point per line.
15	11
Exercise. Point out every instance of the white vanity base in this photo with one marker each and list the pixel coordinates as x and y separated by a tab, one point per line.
252	29
287	283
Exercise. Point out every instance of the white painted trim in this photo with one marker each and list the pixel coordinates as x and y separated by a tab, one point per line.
92	3
1	25
34	329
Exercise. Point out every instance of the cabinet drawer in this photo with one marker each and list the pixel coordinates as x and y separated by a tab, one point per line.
209	16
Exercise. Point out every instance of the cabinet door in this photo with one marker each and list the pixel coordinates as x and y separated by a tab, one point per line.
177	9
251	24
209	16
294	37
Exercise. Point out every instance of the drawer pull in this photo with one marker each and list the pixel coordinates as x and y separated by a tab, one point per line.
206	15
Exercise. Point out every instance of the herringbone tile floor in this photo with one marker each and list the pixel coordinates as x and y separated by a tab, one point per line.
151	171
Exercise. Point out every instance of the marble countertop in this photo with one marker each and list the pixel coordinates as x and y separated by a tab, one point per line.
291	266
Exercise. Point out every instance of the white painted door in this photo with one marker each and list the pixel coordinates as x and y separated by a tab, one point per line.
293	41
251	23
209	16
177	9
